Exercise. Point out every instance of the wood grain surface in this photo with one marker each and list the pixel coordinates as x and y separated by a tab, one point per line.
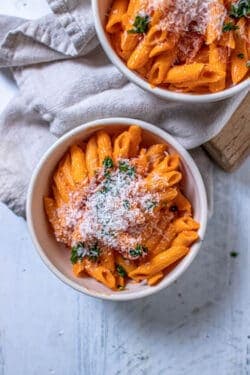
232	145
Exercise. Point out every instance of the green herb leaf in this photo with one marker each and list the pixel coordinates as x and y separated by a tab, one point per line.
240	9
123	166
140	25
106	233
240	55
94	253
150	205
229	26
138	250
126	168
105	189
108	163
126	204
234	254
77	253
107	174
106	185
121	271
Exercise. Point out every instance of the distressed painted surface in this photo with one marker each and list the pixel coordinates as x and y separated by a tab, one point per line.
200	325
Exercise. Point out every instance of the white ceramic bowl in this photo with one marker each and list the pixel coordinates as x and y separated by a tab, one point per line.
56	256
100	11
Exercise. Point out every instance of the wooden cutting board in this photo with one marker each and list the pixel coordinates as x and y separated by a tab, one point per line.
232	145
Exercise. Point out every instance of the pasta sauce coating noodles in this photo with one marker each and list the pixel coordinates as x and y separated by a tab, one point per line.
119	207
162	39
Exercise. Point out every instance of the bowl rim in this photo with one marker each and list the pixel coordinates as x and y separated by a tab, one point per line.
162	93
186	262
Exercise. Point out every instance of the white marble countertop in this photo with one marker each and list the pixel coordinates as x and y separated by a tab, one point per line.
199	325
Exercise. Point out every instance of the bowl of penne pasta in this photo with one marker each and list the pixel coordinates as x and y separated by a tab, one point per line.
117	209
184	50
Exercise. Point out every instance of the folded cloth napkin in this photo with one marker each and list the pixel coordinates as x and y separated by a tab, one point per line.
65	80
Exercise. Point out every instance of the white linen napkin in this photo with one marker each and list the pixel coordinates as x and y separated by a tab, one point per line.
65	80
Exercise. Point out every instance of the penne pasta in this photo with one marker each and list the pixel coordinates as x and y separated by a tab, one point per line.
239	68
104	146
92	160
159	263
185	238
63	178
79	269
101	274
119	207
122	146
78	164
155	278
190	47
117	12
50	209
135	140
155	154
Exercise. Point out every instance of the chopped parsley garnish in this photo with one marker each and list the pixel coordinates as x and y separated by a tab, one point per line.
77	253
248	64
108	163
107	233
229	26
240	55
138	250
105	188
121	271
240	9
173	208
126	204
107	174
150	205
94	253
140	25
106	183
234	254
126	168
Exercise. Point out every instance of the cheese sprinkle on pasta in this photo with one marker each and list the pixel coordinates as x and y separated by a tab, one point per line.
119	206
112	211
181	15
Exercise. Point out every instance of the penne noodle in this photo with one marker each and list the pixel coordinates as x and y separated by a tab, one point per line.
63	178
92	160
78	164
122	146
185	238
180	46
117	12
118	205
50	209
102	274
78	269
159	263
155	278
135	140
104	146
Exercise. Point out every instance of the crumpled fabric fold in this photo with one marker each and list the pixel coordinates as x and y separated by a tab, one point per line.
65	80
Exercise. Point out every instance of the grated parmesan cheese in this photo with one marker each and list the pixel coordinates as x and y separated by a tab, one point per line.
113	211
181	15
